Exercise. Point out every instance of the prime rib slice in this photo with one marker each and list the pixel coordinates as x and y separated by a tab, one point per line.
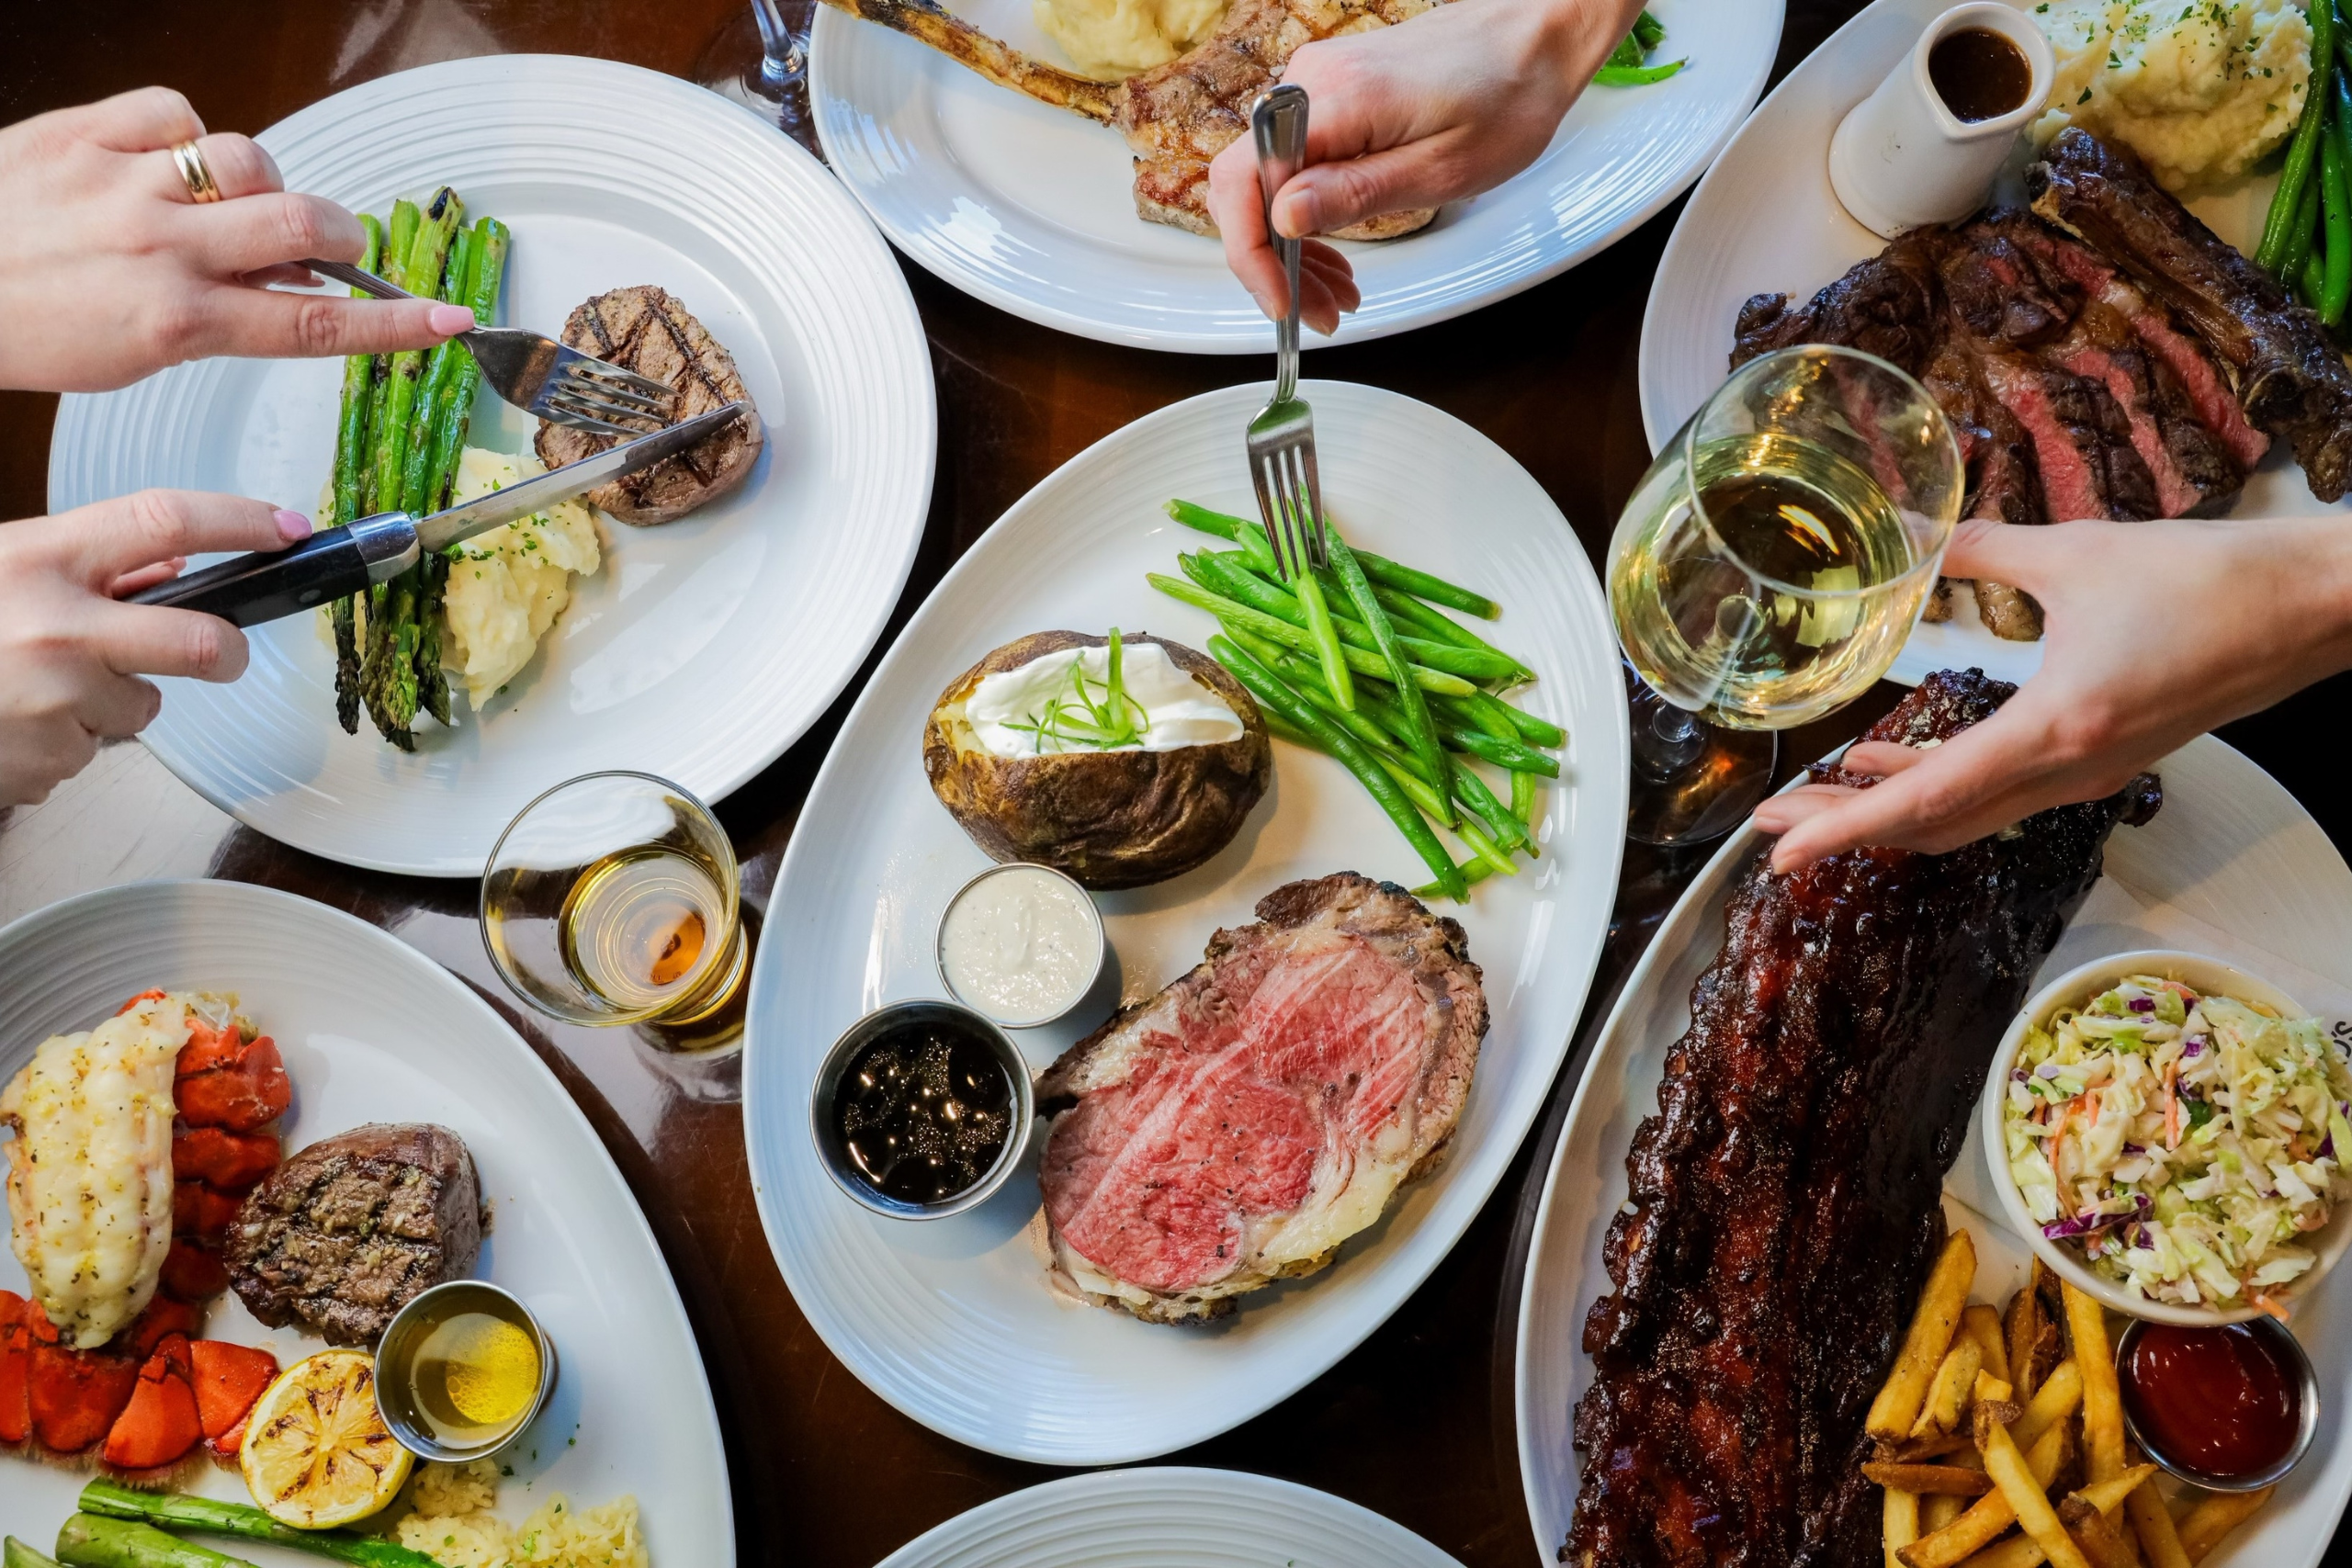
1785	1203
344	1233
1175	116
645	329
1236	1128
2290	379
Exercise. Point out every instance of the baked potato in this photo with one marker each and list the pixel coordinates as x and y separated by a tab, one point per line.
1115	819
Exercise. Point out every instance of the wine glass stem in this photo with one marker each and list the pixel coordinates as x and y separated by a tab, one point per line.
1667	738
782	57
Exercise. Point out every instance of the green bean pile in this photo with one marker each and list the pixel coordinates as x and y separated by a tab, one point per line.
1359	660
1627	63
2306	238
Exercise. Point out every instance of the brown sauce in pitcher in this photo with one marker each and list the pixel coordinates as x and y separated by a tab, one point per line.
1978	74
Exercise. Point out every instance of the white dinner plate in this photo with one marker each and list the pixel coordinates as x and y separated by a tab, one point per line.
952	1320
1166	1516
373	1031
1032	208
704	648
1765	220
2231	865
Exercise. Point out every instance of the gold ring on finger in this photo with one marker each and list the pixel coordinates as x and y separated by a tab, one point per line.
194	173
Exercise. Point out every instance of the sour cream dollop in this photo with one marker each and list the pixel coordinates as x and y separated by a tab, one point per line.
1022	944
1005	709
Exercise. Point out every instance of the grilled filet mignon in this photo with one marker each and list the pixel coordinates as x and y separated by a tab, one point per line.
1236	1128
645	330
344	1233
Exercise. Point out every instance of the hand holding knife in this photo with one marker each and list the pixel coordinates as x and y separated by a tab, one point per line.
334	562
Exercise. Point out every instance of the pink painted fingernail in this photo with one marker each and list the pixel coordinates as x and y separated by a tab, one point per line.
452	320
292	526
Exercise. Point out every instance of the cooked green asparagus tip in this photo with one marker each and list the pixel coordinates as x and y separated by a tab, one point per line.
1270	690
15	1553
1422	585
1281	631
207	1516
400	234
2303	148
86	1541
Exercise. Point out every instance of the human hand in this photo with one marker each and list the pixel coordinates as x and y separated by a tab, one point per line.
2157	632
109	271
1450	104
71	655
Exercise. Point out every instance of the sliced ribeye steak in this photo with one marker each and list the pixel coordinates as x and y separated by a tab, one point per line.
345	1233
645	330
1236	1128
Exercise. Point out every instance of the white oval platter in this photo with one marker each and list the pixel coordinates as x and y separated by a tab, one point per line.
952	1320
1031	208
2231	865
704	648
1765	220
1168	1517
372	1030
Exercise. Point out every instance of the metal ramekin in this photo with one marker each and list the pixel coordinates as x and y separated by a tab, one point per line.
395	1356
2307	1386
833	1155
1094	916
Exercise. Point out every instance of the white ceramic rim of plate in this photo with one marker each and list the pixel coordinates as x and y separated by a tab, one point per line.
1074	1523
1237	329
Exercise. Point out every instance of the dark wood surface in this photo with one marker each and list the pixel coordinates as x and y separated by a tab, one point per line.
1416	1423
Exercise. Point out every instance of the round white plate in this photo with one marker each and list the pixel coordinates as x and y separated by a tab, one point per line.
1765	220
952	1320
373	1031
1164	1517
1032	208
704	648
2231	853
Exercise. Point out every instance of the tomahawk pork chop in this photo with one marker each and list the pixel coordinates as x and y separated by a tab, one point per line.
1236	1128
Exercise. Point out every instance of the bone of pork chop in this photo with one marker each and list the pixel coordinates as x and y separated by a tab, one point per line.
1784	1203
1175	116
1236	1128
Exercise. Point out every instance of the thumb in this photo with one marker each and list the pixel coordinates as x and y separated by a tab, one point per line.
2004	552
263	324
1325	197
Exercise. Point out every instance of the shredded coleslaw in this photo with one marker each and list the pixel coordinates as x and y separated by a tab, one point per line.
2190	1145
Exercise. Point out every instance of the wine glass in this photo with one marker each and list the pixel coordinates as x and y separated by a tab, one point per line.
760	60
1768	570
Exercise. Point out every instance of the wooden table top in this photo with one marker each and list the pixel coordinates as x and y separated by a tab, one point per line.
1416	1423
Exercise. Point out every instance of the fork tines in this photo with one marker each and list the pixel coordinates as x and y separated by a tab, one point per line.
598	396
1290	499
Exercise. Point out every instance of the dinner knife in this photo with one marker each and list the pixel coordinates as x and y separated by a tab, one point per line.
268	585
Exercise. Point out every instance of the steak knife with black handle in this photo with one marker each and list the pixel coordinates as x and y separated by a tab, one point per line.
270	584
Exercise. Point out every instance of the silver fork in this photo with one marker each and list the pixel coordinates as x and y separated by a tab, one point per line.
537	374
1281	438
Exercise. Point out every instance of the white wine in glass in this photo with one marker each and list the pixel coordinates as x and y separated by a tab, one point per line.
1770	565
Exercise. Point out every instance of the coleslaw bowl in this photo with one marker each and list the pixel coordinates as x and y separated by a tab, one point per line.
2074	990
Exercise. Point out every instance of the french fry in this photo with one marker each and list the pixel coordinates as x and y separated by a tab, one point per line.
1918	1450
2152	1522
1988	1516
2023	1492
2018	1551
2102	1400
2053	1403
1983	1325
1923	1343
2096	1536
1947	1389
1937	1480
2215	1516
1901	1517
1938	1509
1990	1390
2024	1326
2105	1496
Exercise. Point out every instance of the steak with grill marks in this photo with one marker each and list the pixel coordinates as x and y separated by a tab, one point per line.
345	1233
1784	1203
1236	1128
648	331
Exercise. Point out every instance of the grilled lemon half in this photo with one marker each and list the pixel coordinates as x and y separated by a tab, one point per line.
316	1453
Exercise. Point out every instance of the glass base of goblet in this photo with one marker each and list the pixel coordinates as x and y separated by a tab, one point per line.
734	66
1693	782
